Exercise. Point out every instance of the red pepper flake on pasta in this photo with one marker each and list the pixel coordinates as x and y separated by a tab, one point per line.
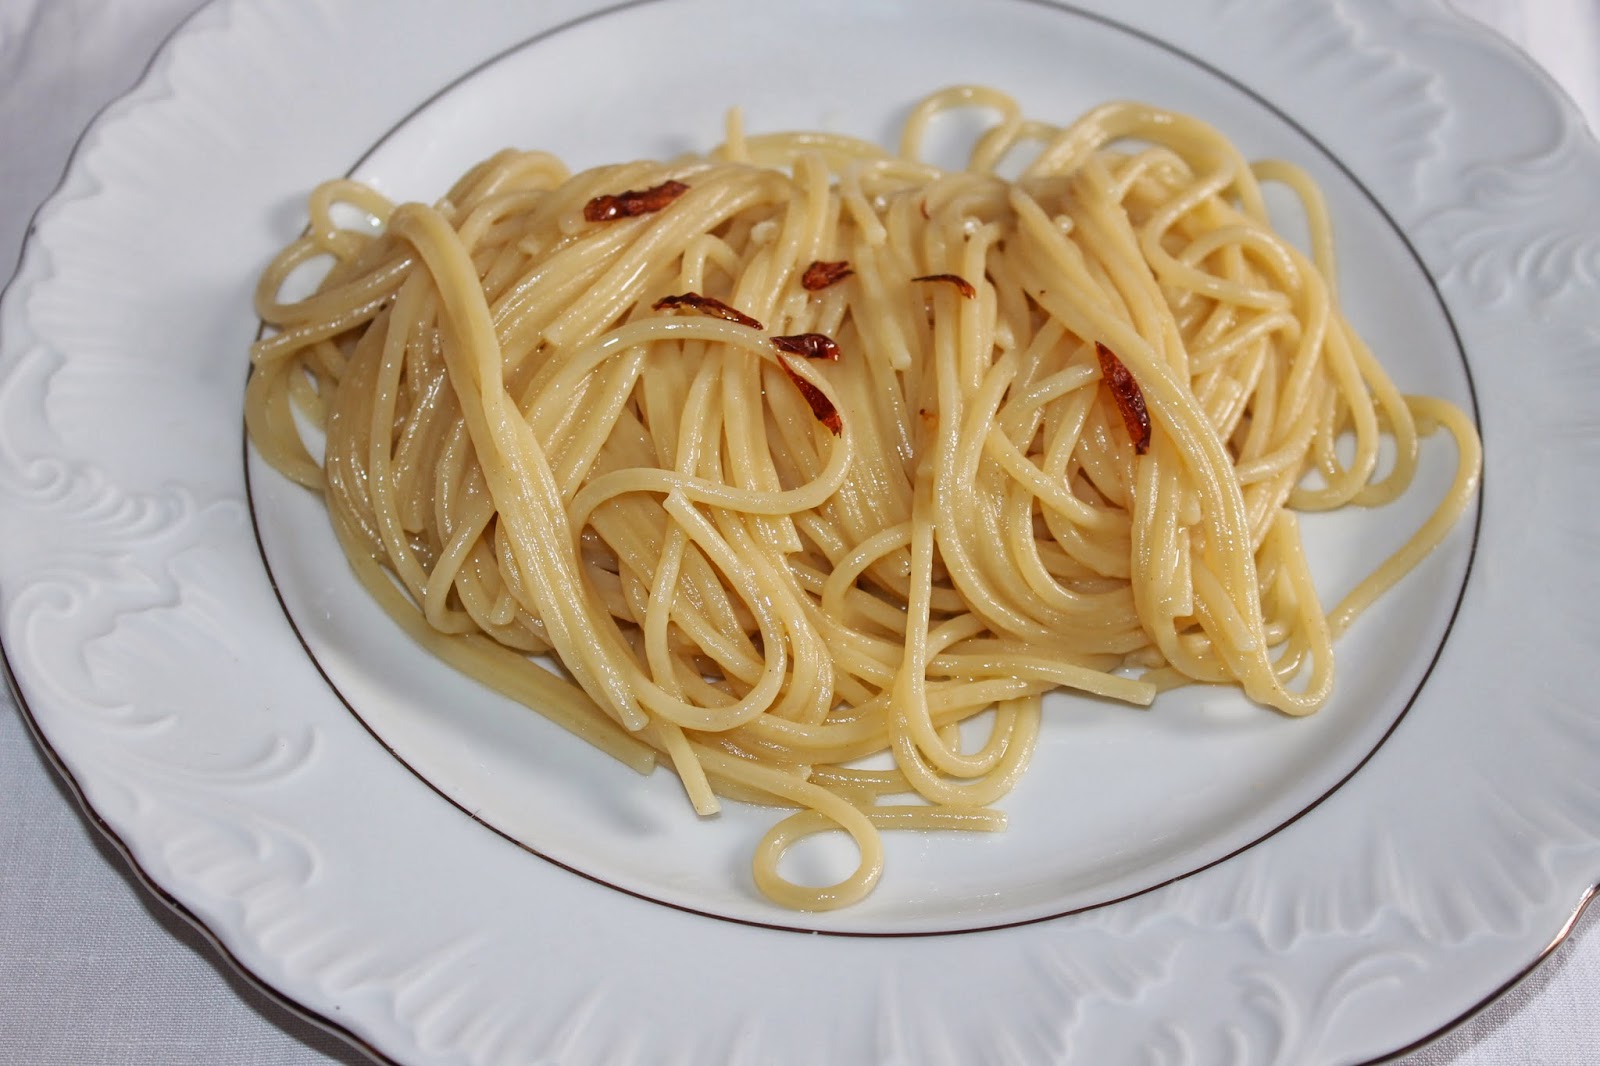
1130	401
963	286
706	305
822	273
810	345
821	406
633	202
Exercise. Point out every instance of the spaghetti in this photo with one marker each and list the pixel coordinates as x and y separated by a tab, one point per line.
802	452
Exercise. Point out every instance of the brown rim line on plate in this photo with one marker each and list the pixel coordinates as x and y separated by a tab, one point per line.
570	864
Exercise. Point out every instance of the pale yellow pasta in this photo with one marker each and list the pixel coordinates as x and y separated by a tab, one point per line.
525	452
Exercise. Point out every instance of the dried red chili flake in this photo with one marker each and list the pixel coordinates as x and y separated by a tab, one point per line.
707	305
821	406
810	345
1130	401
963	286
633	202
822	273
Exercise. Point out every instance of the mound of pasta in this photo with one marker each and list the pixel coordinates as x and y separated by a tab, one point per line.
802	453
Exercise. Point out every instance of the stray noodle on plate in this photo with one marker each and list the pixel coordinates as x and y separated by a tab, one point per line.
803	452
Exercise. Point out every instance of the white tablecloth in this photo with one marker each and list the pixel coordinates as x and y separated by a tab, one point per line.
95	969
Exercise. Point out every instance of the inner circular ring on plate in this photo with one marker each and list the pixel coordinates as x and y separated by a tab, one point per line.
1116	801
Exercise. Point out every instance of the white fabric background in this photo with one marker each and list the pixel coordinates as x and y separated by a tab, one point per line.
95	969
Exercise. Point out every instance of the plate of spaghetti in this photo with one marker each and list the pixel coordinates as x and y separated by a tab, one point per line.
985	530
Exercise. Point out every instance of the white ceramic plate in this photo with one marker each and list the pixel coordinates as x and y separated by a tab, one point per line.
1201	883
